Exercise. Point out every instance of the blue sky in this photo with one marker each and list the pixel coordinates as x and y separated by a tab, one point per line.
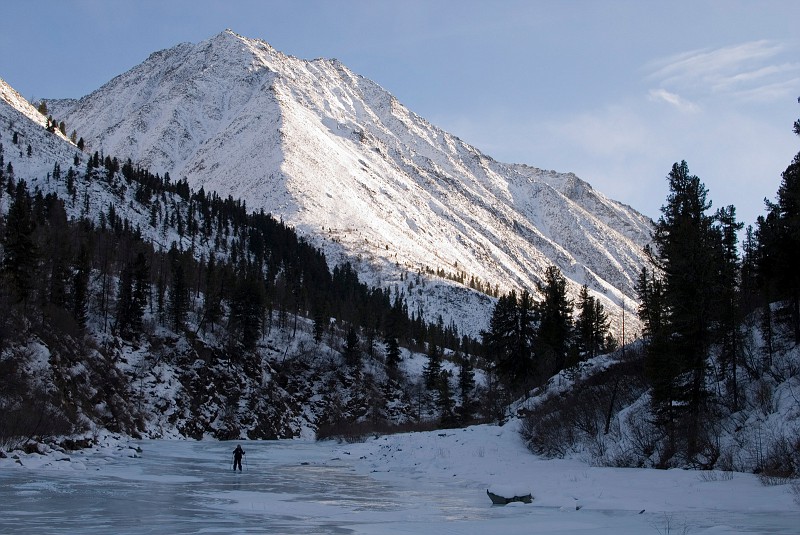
615	91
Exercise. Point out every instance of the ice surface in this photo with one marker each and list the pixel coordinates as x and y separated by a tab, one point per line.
415	483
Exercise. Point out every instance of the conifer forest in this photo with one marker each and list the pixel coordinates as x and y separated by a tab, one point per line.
134	303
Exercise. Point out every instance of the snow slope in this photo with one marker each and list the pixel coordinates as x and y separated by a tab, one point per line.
363	177
17	115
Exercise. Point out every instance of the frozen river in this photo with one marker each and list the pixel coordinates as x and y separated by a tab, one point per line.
292	487
189	487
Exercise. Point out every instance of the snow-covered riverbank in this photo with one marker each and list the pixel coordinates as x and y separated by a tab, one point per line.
414	483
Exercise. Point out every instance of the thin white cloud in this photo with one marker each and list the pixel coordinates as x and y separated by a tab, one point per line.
786	90
704	63
743	70
662	95
755	75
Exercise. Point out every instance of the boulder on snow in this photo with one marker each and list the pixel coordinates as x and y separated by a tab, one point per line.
498	499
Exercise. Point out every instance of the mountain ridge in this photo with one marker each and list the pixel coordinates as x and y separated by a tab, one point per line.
361	176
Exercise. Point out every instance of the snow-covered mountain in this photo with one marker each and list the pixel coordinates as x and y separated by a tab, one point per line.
150	383
361	176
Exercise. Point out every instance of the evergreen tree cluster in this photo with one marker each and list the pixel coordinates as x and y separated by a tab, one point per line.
142	257
228	267
695	297
529	341
710	383
441	394
52	125
460	277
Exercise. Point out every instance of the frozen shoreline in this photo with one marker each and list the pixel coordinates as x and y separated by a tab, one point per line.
421	482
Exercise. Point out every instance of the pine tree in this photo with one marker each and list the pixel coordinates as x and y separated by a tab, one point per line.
352	353
555	324
466	386
591	326
500	340
132	296
688	252
213	294
432	368
59	278
601	337
444	399
125	303
178	291
141	287
748	286
650	290
524	368
727	299
779	242
319	325
509	341
19	248
392	353
584	321
247	310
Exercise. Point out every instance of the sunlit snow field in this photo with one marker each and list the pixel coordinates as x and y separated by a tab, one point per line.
416	483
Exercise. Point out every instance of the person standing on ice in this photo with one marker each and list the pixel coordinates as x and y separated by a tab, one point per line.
237	457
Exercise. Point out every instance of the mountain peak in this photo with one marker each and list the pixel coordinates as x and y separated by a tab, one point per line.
228	36
364	178
232	41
